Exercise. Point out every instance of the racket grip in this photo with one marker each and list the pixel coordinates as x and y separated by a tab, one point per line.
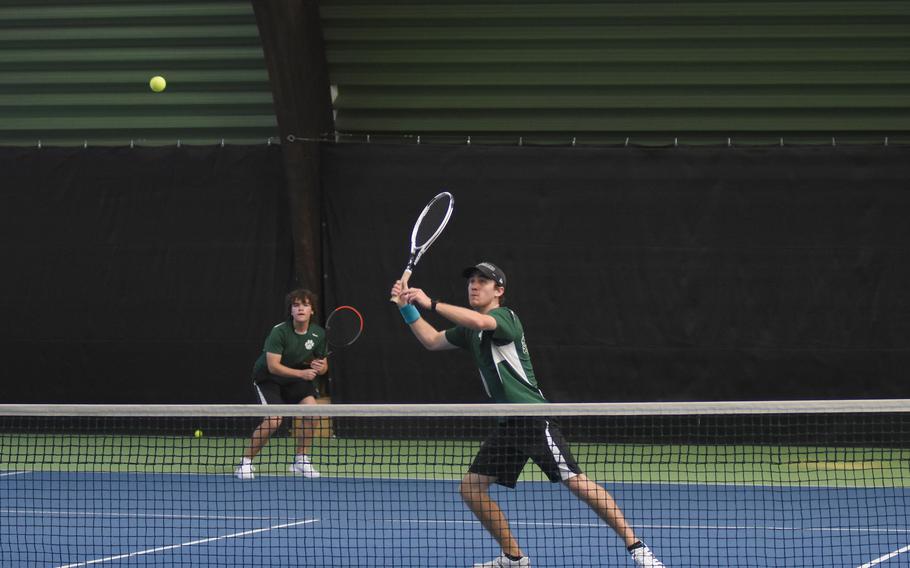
404	282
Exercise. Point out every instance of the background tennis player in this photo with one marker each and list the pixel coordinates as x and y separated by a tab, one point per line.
291	359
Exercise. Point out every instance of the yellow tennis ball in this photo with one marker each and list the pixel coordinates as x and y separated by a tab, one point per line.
157	83
198	433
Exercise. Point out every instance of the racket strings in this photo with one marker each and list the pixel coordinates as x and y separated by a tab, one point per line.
343	327
432	222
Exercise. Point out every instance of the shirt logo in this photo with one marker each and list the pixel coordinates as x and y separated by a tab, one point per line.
309	344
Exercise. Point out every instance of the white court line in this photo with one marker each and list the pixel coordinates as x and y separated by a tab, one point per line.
9	473
888	556
191	543
111	515
855	530
594	525
555	524
858	530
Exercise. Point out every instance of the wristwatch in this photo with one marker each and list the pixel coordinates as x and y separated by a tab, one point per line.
433	305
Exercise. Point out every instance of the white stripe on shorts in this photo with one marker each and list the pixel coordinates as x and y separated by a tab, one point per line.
564	472
259	392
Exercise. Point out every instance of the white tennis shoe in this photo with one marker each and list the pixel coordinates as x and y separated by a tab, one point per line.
304	467
644	558
245	471
504	561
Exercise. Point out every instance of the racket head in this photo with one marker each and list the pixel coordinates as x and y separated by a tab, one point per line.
432	220
343	326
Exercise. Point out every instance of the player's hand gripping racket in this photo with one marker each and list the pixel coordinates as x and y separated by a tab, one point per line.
342	328
429	225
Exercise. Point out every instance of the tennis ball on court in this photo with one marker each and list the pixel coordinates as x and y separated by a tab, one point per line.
198	433
157	83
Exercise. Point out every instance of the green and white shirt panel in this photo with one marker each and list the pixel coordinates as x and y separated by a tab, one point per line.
297	350
502	357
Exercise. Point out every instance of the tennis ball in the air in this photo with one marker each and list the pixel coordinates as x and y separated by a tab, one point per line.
198	433
157	83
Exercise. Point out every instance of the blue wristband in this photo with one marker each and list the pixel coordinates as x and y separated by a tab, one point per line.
409	313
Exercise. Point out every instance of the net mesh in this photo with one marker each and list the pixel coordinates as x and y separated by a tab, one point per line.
766	484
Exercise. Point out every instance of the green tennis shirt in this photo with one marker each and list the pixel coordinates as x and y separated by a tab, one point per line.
502	357
297	350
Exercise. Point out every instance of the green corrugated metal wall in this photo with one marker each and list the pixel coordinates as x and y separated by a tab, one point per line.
696	71
74	72
650	72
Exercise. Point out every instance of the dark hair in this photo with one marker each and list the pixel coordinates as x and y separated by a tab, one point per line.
301	295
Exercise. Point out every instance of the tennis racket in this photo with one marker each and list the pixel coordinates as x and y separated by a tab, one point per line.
342	328
429	226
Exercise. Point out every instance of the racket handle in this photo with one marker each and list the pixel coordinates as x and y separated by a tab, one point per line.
404	282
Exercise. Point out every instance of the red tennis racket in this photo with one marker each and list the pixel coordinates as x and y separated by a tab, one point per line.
342	328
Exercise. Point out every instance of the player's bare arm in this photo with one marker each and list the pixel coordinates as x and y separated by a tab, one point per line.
321	366
456	314
430	337
273	360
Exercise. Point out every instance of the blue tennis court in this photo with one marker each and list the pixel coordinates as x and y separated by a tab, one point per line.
57	519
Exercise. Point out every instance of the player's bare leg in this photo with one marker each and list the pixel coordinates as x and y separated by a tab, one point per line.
475	490
258	441
261	436
307	430
600	500
305	433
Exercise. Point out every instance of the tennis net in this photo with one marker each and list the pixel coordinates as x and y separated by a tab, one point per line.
807	483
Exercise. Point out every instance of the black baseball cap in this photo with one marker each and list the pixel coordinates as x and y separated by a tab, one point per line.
487	270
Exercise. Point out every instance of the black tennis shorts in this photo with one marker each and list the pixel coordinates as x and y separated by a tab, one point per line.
284	391
506	451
